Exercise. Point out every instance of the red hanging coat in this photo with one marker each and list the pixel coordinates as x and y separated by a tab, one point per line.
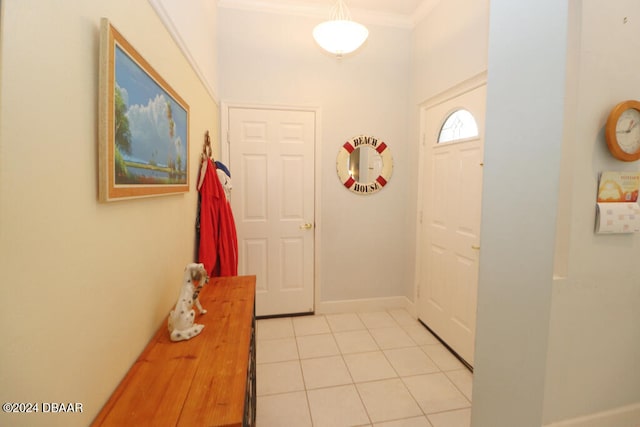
218	248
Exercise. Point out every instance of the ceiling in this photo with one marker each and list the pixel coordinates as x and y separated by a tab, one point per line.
402	13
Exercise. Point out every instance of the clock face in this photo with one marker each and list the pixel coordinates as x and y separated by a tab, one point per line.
622	131
628	131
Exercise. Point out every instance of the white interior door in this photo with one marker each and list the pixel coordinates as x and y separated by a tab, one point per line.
272	165
450	230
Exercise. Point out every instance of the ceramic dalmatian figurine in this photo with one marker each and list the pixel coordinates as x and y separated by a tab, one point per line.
181	318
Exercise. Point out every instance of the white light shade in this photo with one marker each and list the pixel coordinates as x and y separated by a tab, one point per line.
340	36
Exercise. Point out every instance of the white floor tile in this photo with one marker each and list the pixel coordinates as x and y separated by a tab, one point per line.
420	334
402	316
410	361
355	342
317	346
355	369
336	407
461	418
310	325
325	372
345	322
377	319
278	350
435	393
442	357
267	329
279	377
289	409
406	422
394	337
388	400
369	366
463	379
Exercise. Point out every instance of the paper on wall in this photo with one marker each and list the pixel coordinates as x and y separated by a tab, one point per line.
617	218
618	187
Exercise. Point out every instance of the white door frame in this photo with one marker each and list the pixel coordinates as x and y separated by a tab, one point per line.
224	158
460	89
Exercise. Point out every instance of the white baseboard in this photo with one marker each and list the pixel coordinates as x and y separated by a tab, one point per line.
411	308
365	304
626	416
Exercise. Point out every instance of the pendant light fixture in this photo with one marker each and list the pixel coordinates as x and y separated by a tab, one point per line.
340	35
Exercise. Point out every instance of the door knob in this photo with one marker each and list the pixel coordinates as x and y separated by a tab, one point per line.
475	248
307	226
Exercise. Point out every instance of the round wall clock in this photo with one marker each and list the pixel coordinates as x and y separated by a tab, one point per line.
622	131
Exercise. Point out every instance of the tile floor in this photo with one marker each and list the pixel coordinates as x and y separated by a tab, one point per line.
358	369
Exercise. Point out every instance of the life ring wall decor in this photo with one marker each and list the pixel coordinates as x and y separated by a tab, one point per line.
349	168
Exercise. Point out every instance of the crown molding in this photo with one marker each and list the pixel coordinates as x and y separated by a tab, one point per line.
423	11
166	19
293	7
287	7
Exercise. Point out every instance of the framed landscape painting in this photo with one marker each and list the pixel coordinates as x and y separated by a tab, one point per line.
143	126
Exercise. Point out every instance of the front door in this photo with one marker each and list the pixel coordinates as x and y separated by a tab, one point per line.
450	229
271	157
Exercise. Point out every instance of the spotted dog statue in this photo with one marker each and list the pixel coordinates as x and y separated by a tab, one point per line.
181	318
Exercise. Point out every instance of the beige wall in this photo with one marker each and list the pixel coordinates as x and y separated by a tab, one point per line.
83	285
523	140
595	314
272	59
445	52
194	29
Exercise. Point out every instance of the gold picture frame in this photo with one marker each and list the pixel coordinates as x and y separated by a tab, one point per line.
143	125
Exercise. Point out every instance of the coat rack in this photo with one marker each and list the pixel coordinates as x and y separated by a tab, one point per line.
207	153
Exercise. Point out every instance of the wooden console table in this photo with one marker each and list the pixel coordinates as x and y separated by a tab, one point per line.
206	381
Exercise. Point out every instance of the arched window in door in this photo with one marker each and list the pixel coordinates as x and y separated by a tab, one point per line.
459	125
